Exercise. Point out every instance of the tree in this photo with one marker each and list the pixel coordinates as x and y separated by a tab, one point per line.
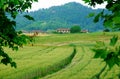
109	53
9	37
75	29
111	20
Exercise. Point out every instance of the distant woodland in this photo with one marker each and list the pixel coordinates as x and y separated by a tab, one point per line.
64	16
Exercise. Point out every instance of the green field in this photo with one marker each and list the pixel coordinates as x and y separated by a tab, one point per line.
54	57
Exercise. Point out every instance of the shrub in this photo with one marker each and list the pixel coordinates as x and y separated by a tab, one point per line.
75	29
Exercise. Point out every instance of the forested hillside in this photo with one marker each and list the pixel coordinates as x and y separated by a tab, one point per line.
63	16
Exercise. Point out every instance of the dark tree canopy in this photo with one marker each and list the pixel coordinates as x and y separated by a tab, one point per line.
9	37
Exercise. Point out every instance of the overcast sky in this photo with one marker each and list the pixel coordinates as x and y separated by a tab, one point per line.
49	3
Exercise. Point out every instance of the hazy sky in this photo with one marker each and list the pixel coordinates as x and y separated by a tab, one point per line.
49	3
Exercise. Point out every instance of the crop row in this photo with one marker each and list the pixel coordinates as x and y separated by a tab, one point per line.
36	61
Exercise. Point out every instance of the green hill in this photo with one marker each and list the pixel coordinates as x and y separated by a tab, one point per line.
63	16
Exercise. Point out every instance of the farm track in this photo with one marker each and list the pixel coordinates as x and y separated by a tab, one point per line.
75	64
80	43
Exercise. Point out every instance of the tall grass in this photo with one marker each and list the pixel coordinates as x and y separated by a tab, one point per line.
57	66
83	66
53	57
37	61
73	38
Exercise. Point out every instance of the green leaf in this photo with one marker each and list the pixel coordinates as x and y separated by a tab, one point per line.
29	17
86	1
36	0
100	53
100	50
113	40
96	19
4	61
13	64
110	62
14	14
5	6
117	60
91	15
15	48
19	32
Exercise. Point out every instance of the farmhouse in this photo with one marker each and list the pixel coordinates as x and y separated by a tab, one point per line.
63	30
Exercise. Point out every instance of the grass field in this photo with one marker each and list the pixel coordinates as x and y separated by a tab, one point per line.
54	57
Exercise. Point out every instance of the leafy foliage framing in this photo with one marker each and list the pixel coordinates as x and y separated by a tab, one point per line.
9	37
109	53
111	20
